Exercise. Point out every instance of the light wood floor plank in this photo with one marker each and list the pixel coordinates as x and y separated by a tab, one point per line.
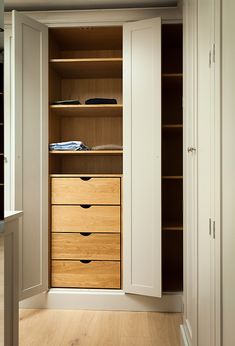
98	328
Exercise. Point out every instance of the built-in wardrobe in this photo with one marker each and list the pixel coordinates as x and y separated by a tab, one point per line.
86	186
110	217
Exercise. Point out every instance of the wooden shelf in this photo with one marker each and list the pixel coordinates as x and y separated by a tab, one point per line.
111	110
173	126
172	75
172	177
88	68
172	227
87	152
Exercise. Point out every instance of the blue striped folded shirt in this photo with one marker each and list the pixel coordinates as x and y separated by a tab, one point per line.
70	145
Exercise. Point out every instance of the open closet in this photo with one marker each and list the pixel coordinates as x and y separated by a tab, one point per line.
107	218
85	186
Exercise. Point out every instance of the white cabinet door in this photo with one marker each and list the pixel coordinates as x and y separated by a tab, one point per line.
206	174
142	157
30	107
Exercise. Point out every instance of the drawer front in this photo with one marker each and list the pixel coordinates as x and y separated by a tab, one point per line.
96	274
86	247
68	218
92	191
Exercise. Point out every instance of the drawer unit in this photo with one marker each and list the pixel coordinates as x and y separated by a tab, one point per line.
68	218
80	191
85	232
95	274
86	246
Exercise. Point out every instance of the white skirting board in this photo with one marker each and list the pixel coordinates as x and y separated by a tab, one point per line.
183	336
71	299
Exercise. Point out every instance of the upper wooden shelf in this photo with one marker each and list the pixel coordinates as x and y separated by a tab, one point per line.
88	68
88	110
87	152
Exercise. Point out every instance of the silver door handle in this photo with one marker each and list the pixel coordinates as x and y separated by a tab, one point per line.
191	149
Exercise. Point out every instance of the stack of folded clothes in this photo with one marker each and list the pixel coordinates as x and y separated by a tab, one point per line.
70	145
93	101
67	102
100	100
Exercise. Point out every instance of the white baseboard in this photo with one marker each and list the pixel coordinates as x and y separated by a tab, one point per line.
183	336
70	299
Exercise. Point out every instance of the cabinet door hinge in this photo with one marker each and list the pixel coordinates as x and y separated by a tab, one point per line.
214	229
209	226
210	58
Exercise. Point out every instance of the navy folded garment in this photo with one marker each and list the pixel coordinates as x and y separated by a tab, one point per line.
67	102
100	101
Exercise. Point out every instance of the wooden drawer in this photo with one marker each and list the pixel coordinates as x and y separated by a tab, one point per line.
68	218
79	191
86	247
95	274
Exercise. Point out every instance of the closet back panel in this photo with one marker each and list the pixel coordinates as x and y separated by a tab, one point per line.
172	89
172	261
92	165
84	89
172	48
108	53
92	131
88	39
172	158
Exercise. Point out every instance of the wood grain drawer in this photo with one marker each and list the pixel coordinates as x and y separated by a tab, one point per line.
95	274
68	218
80	246
79	191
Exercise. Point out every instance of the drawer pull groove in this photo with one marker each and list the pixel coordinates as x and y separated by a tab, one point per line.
85	234
85	206
85	261
85	178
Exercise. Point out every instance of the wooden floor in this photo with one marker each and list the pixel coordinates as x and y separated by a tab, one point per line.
98	328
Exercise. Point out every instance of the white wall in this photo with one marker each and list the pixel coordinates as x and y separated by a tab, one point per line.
228	172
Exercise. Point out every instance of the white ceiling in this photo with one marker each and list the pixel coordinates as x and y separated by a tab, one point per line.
32	5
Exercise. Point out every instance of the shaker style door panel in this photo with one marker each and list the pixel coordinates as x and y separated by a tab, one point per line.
142	157
30	107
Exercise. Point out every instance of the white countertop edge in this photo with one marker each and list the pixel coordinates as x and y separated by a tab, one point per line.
12	215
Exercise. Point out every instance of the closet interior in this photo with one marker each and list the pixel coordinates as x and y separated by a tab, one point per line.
85	185
85	227
172	158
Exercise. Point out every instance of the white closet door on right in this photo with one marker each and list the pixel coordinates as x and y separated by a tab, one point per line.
142	157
